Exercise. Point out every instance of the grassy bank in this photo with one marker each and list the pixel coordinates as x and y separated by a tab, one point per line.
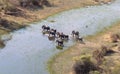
62	62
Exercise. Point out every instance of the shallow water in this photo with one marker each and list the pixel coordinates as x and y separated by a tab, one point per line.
28	50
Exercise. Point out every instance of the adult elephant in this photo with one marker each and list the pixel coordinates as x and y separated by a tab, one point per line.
52	32
75	33
60	42
45	28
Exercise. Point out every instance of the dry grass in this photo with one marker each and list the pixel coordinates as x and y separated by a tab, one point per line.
63	63
5	4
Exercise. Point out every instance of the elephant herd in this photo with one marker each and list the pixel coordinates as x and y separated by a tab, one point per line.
60	37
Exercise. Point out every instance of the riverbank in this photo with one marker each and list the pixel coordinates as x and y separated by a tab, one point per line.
30	38
63	62
16	22
39	14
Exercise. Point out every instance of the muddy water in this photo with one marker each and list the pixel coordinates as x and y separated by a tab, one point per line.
28	50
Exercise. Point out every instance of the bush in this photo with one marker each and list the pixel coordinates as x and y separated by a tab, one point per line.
84	65
33	3
115	37
14	12
99	54
10	24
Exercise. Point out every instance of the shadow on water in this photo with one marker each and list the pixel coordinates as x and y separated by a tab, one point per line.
29	50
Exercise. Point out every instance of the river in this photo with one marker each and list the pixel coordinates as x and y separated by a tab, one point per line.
29	50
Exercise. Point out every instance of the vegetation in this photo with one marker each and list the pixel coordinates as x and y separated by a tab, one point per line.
34	3
5	4
100	56
8	7
115	37
84	65
17	13
9	25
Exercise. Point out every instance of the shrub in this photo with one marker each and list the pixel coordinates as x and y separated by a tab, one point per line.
99	54
84	65
10	24
32	3
115	37
14	12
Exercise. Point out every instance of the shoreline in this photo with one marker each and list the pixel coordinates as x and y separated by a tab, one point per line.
36	19
102	36
38	15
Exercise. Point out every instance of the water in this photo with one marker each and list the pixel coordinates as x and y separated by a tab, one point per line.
28	50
